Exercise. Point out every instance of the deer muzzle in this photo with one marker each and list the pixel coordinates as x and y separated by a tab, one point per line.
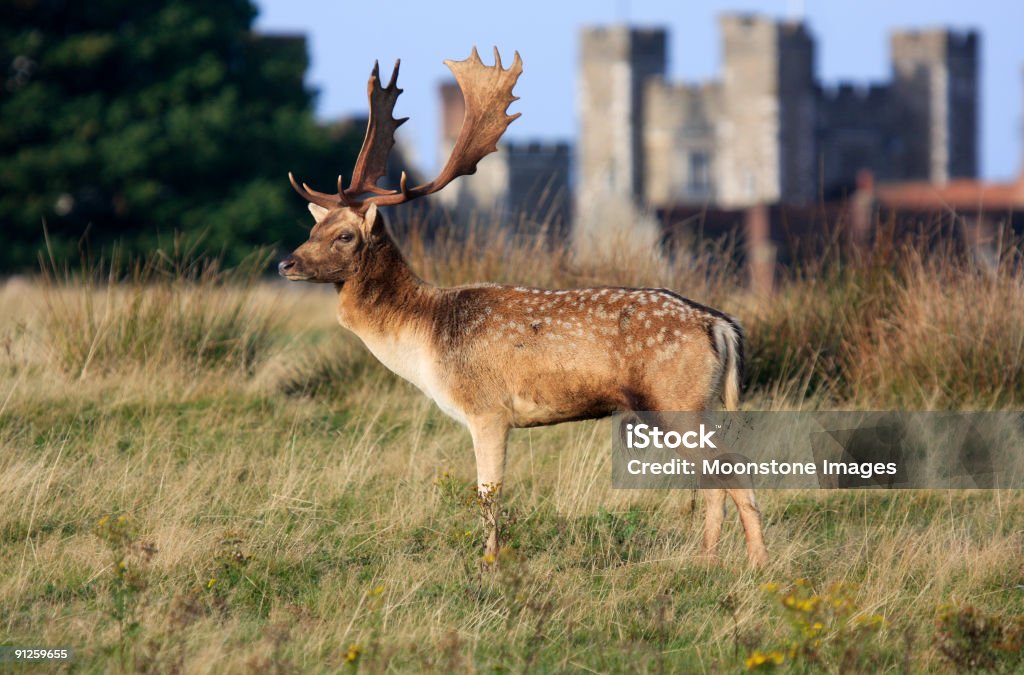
289	268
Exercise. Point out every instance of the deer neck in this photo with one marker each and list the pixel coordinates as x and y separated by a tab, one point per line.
386	300
393	312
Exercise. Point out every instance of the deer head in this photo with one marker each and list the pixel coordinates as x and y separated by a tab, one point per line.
349	230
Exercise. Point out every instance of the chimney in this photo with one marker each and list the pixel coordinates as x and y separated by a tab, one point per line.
453	110
1020	131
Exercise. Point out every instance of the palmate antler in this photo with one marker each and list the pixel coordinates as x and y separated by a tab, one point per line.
488	93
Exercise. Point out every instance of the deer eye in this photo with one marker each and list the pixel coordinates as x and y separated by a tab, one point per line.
345	237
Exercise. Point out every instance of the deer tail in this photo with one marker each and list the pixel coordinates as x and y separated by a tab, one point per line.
728	337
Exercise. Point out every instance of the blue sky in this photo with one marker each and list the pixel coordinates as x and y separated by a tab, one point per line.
852	44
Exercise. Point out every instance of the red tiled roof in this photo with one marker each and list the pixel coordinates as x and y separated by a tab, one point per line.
956	195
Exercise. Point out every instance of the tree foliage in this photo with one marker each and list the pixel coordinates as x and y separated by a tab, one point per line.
130	120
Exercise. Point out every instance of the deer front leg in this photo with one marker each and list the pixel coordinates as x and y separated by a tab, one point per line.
490	437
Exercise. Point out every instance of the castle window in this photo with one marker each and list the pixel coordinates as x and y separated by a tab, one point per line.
700	172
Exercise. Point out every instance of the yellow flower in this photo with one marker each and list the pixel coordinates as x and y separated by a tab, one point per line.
756	659
489	558
377	590
352	655
210	583
759	658
770	587
808	604
813	629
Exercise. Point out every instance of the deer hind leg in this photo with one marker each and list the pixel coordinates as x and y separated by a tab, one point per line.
687	413
490	438
750	516
714	500
715	493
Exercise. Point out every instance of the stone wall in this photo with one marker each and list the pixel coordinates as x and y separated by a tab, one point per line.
857	129
679	142
538	189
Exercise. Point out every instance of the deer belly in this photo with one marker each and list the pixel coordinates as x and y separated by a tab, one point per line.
561	399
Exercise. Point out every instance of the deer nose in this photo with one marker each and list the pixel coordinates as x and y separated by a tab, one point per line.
285	265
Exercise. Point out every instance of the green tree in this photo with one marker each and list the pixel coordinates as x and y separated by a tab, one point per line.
130	120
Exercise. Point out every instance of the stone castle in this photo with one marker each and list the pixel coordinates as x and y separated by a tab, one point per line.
766	132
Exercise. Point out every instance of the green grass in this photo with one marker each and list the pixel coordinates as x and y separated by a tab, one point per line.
297	508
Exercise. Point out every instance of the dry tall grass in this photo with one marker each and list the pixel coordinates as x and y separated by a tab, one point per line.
203	474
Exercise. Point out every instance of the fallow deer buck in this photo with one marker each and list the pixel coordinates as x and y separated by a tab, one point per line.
497	357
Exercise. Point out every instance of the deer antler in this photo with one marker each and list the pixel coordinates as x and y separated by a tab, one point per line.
487	92
372	163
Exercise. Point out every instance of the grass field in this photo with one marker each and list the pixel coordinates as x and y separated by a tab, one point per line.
202	473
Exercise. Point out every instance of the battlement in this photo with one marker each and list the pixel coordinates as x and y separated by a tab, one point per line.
853	93
969	38
543	149
746	20
794	27
747	23
934	44
954	38
605	43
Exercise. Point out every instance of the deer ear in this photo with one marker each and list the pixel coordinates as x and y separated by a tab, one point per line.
319	212
373	221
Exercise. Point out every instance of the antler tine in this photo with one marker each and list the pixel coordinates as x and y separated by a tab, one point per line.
371	165
394	79
336	200
319	198
487	91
